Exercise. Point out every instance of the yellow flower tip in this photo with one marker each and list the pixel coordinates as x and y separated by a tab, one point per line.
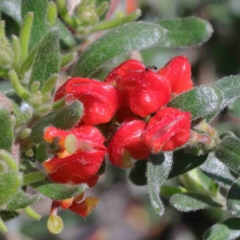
66	203
55	224
91	203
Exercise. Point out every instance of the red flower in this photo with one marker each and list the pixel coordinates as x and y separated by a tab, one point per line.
100	100
81	155
178	72
127	142
143	90
167	130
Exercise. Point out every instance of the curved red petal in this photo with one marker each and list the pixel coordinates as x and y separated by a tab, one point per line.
178	72
167	130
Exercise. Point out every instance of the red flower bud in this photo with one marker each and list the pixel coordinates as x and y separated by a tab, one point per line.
127	142
167	130
178	72
142	89
100	100
81	155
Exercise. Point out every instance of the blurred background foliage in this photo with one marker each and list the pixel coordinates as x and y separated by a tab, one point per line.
124	211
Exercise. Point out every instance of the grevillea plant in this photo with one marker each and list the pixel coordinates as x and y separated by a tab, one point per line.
59	133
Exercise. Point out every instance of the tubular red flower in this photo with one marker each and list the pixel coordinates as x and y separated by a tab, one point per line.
83	163
178	72
127	142
100	100
167	130
142	89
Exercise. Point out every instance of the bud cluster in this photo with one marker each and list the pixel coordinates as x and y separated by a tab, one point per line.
125	117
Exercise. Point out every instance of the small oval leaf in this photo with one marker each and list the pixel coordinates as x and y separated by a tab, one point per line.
47	58
185	32
158	168
21	200
233	198
64	118
228	151
10	182
218	171
6	136
59	191
184	162
226	230
120	40
187	202
200	101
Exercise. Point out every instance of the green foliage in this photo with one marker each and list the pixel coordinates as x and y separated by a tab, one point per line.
47	59
63	118
158	168
200	101
185	32
59	191
187	202
228	229
129	37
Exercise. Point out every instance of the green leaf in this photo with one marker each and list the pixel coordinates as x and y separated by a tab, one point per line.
21	200
184	162
59	191
226	230
11	8
66	38
233	198
138	173
63	118
47	59
121	40
6	136
218	171
230	86
169	191
228	151
8	215
200	101
158	168
185	32
187	202
10	182
40	26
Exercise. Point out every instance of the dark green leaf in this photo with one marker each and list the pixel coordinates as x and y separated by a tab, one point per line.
228	151
233	198
58	191
6	131
40	26
200	101
66	38
218	171
21	200
226	230
138	173
11	8
63	118
47	59
185	32
123	39
187	202
158	168
10	182
8	215
184	162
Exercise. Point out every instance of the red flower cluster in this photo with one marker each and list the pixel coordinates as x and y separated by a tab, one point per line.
132	96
